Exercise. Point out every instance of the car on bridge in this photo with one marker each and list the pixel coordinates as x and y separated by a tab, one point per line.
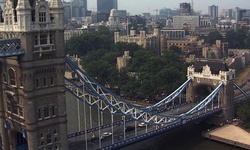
142	124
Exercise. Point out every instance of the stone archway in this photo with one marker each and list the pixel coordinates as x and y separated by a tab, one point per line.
201	91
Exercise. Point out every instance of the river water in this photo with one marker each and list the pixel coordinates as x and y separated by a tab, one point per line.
185	138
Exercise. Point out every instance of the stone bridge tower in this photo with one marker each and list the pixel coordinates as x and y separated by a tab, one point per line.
206	76
32	97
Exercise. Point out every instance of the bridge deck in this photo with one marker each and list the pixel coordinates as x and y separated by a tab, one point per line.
230	134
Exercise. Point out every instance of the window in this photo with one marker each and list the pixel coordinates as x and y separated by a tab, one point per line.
43	39
51	39
46	112
44	81
41	135
49	138
51	80
42	14
53	112
35	39
37	82
14	107
10	17
12	77
55	132
39	111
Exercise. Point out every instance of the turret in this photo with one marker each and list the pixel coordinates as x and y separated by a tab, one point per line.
56	11
23	15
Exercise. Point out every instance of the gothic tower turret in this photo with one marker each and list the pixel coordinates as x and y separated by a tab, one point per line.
32	97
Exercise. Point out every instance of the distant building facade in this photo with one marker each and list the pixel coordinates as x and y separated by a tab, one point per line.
213	11
180	22
122	62
151	41
71	33
105	6
185	9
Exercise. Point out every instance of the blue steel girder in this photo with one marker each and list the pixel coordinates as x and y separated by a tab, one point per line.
93	93
206	101
170	97
10	47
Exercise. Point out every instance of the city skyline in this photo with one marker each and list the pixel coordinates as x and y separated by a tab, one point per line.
151	5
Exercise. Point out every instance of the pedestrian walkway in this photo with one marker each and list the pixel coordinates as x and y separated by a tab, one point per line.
230	134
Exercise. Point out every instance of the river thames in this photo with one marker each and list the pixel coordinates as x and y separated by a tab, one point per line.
185	138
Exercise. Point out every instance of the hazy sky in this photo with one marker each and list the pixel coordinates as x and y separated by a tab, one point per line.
141	6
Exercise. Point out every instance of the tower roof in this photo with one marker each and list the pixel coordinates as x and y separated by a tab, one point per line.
23	4
215	66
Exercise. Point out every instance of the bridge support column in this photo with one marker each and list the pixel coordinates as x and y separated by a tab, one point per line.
189	93
227	97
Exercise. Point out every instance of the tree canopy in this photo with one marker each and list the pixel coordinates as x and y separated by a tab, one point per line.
81	45
243	114
146	76
236	39
213	36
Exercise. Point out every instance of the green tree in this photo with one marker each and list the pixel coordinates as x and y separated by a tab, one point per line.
243	114
248	41
213	36
240	38
230	38
81	45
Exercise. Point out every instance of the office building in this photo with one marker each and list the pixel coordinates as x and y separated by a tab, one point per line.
185	9
213	11
105	6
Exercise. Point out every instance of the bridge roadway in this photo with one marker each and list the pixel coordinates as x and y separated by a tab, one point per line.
119	133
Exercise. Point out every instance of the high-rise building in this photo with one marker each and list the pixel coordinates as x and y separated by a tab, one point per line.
79	8
32	98
213	11
105	6
185	9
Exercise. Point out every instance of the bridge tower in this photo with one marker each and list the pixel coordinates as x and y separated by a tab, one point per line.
207	75
32	97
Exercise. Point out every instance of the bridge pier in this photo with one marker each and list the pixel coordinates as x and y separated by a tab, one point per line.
206	76
227	97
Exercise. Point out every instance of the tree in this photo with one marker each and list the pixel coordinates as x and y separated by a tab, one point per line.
248	41
213	36
236	39
81	45
243	114
175	49
230	38
240	38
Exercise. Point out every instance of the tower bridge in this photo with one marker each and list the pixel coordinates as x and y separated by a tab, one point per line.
33	112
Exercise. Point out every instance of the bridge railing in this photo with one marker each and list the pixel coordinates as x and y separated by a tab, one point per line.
10	47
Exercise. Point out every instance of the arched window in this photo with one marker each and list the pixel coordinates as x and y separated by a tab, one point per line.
12	76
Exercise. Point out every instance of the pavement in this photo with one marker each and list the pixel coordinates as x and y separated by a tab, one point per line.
230	134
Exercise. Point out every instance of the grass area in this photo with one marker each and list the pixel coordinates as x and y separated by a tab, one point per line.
243	75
